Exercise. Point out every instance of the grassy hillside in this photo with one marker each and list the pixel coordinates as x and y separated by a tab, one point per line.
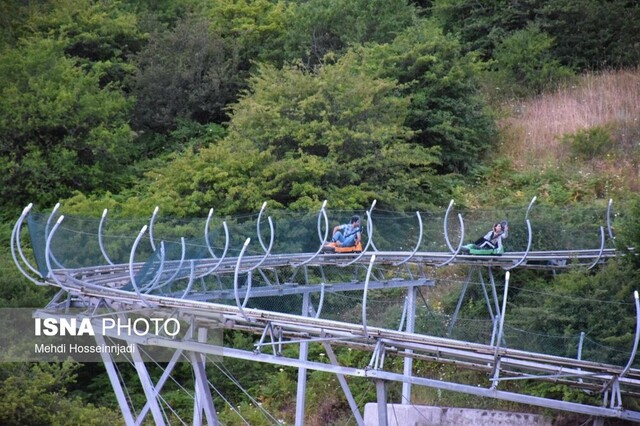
579	144
535	134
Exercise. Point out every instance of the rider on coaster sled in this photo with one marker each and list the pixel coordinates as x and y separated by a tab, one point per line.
491	243
346	237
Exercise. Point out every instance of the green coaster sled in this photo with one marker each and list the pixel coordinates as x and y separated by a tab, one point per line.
473	249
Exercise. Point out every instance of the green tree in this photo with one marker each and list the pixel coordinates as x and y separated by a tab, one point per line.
589	35
189	73
297	138
60	129
447	109
257	26
98	34
323	26
524	63
35	394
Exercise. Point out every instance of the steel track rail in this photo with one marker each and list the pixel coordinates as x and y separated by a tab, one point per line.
444	348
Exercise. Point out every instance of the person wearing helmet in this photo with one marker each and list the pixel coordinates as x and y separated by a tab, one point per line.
348	234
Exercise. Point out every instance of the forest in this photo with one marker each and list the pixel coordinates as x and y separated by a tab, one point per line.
225	104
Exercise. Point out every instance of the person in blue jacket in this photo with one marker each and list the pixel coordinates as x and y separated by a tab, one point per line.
348	234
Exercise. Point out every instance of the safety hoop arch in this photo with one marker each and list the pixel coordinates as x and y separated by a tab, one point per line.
235	279
46	232
48	255
595	262
175	274
131	259
526	252
262	209
151	223
634	350
636	340
609	229
323	240
364	294
16	246
321	301
455	253
102	249
147	288
266	249
530	236
206	238
191	279
369	233
415	250
445	223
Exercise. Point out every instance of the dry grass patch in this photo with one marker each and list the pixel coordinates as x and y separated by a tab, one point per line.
532	134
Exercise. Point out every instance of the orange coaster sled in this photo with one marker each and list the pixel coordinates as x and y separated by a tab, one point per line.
333	248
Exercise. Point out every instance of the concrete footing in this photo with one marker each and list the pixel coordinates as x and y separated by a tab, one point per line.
422	415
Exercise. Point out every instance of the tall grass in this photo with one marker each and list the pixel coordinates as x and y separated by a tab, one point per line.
532	134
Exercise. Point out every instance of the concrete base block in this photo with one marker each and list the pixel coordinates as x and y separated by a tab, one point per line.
422	415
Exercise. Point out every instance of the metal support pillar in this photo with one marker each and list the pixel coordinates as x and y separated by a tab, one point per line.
115	382
302	372
459	305
147	386
203	399
496	366
408	360
345	386
381	391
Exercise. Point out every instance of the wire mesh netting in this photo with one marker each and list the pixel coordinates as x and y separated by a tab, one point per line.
177	258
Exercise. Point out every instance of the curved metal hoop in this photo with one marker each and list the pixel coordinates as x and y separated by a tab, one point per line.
323	239
102	250
636	340
267	249
609	229
46	232
455	253
530	237
47	252
526	253
131	259
415	250
321	301
191	280
151	223
235	278
595	262
16	246
226	245
446	230
364	294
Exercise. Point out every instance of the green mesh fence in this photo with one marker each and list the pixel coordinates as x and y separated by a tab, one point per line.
167	268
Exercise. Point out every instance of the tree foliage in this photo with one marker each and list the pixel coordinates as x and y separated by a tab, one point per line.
35	394
588	35
323	26
188	73
60	129
297	138
447	109
524	64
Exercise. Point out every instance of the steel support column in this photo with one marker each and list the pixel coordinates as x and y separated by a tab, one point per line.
302	372
408	360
